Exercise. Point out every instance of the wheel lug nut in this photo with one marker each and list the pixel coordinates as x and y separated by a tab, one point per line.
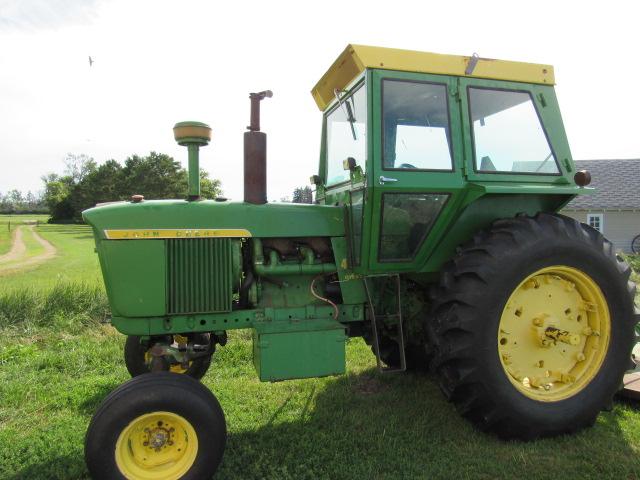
580	357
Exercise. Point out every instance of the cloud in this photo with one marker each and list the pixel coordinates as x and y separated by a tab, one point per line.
36	15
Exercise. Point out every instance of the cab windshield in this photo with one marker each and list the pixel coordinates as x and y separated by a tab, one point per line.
346	134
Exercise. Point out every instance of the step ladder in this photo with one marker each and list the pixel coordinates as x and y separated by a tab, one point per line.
378	319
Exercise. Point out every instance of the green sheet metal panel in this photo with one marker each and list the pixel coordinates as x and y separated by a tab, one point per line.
269	220
299	353
135	276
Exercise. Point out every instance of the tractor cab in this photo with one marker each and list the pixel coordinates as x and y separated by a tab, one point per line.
410	139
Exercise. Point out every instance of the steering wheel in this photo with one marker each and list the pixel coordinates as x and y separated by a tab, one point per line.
406	165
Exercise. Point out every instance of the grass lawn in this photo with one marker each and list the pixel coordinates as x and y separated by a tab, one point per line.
362	425
57	363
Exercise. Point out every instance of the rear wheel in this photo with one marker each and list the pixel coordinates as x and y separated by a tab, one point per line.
532	326
137	356
156	426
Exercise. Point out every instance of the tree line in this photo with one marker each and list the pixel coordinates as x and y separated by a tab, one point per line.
84	183
16	202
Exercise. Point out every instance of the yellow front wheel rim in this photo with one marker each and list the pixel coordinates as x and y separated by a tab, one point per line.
554	333
154	446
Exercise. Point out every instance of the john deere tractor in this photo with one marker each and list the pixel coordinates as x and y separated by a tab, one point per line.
434	236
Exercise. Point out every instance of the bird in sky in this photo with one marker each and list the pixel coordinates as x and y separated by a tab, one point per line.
90	61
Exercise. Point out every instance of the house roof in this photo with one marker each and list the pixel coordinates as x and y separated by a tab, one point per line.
617	184
356	58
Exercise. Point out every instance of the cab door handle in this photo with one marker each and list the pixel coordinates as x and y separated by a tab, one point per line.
384	180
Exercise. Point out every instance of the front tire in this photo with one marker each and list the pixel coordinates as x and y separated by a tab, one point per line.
160	425
532	326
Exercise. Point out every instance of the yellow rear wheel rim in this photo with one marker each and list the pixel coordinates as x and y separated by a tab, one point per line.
154	446
554	333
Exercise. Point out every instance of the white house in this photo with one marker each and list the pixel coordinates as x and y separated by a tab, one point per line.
615	207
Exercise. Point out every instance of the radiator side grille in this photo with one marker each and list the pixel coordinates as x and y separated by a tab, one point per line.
199	275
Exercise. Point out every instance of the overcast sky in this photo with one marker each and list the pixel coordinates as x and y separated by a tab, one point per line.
160	62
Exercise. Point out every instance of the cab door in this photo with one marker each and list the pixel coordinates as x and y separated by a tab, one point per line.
417	167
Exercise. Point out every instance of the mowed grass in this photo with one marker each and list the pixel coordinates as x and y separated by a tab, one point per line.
57	363
8	225
75	260
55	372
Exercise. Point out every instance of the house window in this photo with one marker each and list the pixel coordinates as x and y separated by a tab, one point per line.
595	220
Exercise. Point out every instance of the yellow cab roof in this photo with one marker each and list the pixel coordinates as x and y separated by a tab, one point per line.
356	58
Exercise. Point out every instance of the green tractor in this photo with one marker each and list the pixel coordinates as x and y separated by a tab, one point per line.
434	236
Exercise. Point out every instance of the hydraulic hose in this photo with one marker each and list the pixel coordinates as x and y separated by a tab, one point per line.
335	307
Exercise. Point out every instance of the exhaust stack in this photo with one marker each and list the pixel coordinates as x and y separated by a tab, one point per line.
193	135
255	154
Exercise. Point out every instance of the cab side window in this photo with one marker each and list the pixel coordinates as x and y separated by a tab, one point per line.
415	123
507	133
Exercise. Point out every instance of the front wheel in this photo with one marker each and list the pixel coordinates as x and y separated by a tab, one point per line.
533	326
159	425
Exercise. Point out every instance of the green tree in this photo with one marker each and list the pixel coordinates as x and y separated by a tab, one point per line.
209	187
303	195
15	197
56	197
102	184
78	166
156	176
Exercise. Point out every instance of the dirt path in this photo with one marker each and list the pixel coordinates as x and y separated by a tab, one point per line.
17	247
19	250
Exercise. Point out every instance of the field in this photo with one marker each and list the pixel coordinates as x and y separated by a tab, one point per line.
57	362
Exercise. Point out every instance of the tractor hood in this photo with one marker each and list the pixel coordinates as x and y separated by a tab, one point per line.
210	218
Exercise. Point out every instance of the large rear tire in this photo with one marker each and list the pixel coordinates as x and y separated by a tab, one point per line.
532	326
160	425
